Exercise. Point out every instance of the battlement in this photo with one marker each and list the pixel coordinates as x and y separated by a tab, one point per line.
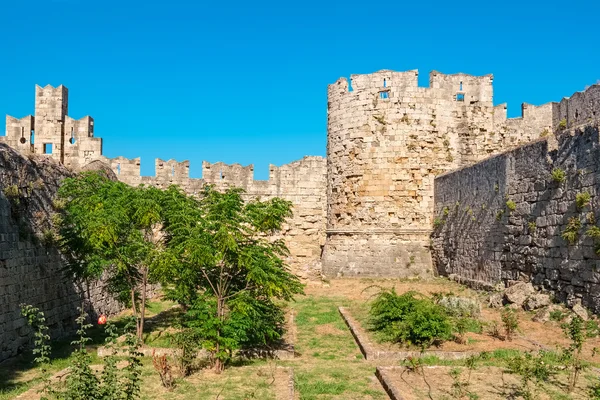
463	88
581	108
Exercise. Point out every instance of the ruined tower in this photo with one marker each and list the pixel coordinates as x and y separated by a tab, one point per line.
387	139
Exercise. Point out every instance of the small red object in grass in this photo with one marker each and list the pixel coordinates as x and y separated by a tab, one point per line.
102	319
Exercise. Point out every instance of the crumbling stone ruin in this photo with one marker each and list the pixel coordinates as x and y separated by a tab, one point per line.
415	182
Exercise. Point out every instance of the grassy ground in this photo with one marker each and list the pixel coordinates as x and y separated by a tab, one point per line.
328	363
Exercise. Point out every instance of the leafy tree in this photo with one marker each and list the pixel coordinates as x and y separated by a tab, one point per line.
225	267
110	228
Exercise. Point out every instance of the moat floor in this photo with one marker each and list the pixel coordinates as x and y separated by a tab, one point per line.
328	363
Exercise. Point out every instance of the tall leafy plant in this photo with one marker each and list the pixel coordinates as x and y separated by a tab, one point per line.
227	269
108	227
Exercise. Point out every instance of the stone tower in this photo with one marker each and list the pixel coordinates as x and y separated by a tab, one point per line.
387	139
52	132
51	107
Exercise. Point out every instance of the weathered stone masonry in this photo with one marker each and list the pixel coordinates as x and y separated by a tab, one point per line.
480	240
30	271
388	139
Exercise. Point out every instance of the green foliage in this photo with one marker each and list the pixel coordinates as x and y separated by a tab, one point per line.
461	387
562	125
582	199
37	321
531	226
557	315
558	175
446	211
571	232
544	133
578	332
224	267
12	192
110	227
510	322
188	344
438	222
409	320
533	368
499	215
511	205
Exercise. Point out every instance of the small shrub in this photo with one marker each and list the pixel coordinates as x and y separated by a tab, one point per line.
582	199
411	147
544	133
578	332
510	322
557	315
558	175
161	365
446	211
571	232
562	125
532	368
531	225
499	215
409	320
11	191
438	222
37	321
511	205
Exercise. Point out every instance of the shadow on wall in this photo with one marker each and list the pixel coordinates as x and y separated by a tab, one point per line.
30	266
521	215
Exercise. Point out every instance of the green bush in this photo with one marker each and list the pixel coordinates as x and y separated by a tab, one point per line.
409	320
558	175
459	306
582	199
511	205
571	232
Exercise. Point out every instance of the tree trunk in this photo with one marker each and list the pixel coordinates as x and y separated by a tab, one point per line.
134	310
219	365
143	304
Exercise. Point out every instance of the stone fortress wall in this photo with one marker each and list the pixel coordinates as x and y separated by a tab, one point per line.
367	210
52	133
388	139
479	239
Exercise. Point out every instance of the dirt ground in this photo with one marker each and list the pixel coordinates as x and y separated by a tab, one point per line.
531	335
490	383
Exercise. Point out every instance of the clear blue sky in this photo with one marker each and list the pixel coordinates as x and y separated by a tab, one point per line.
247	82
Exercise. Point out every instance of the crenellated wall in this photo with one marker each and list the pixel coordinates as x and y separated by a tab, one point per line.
388	139
505	217
302	182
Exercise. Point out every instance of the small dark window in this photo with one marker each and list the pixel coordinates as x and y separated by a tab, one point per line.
384	95
31	137
460	86
384	82
119	169
460	97
172	171
47	148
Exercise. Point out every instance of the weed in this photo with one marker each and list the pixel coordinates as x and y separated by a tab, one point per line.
562	125
438	222
582	199
511	205
558	175
446	211
531	225
161	365
510	322
531	367
571	232
544	133
499	215
557	315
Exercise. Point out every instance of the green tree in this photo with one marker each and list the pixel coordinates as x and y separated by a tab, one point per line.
225	266
112	229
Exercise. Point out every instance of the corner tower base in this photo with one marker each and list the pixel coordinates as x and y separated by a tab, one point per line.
399	253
